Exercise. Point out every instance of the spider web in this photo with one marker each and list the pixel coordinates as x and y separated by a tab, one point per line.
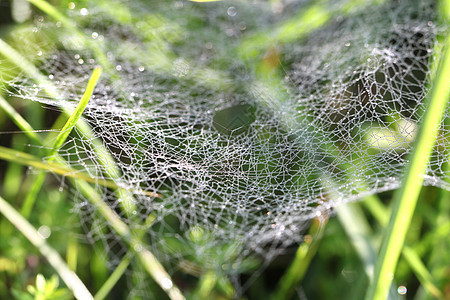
248	118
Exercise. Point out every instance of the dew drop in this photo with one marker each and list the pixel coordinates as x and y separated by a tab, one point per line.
81	61
94	35
119	68
402	290
84	11
51	76
347	44
44	232
71	5
166	283
39	53
231	11
141	68
35	29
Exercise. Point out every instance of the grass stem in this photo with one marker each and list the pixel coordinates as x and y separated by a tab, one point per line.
405	199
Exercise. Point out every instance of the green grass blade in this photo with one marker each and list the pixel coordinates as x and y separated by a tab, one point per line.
405	199
359	232
112	280
31	197
70	278
422	273
70	124
380	213
19	120
57	168
305	253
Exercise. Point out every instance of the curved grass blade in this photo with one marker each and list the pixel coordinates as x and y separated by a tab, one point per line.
405	199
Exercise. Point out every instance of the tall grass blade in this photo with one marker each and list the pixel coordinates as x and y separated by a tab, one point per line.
405	199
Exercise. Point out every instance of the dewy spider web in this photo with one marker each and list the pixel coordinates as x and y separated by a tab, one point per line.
248	118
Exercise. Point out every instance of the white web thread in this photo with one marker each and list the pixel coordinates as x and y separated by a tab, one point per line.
238	164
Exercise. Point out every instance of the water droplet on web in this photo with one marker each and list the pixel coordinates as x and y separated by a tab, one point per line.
76	56
119	68
40	19
402	290
231	11
39	53
94	35
44	232
81	61
347	44
35	29
71	5
51	76
84	11
166	283
141	68
61	189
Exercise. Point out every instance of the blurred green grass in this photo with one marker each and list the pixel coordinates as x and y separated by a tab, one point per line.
333	267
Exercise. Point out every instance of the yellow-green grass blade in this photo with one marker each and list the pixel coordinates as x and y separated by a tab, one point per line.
58	168
75	116
405	199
